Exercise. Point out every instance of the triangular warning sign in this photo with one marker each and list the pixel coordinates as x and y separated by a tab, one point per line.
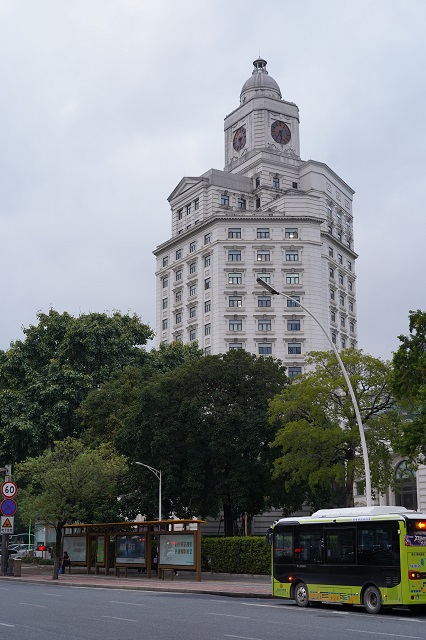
7	524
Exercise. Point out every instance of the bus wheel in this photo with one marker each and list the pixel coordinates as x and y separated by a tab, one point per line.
301	595
372	600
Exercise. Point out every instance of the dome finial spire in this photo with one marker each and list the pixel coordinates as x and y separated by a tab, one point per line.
260	83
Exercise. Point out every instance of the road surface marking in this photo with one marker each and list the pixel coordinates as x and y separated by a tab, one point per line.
30	604
229	615
380	633
123	619
134	604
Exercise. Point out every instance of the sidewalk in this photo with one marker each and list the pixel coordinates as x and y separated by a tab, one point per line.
217	584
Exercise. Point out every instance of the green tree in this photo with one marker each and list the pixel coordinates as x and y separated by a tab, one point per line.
46	376
70	484
319	439
409	386
205	425
106	408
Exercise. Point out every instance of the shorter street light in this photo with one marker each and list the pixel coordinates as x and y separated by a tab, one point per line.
268	287
157	473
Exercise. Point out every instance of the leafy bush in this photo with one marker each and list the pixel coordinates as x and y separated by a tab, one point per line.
35	560
251	555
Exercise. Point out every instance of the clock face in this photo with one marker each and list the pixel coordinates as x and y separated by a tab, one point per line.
239	139
280	132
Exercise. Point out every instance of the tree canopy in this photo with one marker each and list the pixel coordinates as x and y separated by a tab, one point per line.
319	440
46	376
409	385
205	425
70	483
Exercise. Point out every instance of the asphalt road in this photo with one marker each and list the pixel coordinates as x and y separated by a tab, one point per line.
49	612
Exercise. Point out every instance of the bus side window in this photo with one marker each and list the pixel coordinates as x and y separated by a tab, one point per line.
308	546
340	545
283	547
378	544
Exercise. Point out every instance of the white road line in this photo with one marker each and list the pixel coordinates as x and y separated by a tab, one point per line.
3	624
228	615
30	604
242	637
122	619
381	633
54	595
133	604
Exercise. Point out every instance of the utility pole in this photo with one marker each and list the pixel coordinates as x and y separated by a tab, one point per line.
5	536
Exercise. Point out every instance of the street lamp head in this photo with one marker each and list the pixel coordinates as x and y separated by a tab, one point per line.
267	286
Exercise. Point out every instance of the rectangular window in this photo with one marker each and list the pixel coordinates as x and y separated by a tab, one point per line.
291	233
294	302
188	209
180	214
165	303
264	325
276	182
165	281
293	325
331	294
342	300
294	185
265	348
258	203
207	329
235	301
339	236
352	327
224	200
165	323
340	258
343	343
342	321
266	277
192	290
192	247
196	204
292	278
178	274
235	325
241	203
207	260
257	182
165	261
331	273
330	252
193	267
294	348
340	546
350	285
308	545
263	232
349	265
192	312
332	316
178	254
291	255
207	351
207	283
378	544
192	335
207	306
235	278
234	255
178	317
351	306
207	238
234	232
292	372
178	337
264	301
235	345
263	255
341	280
333	338
178	296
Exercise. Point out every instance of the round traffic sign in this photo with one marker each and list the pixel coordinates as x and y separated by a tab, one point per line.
8	507
9	489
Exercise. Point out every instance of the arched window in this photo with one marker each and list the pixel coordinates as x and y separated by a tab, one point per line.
406	486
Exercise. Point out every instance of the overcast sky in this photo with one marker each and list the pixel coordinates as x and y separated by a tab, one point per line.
106	104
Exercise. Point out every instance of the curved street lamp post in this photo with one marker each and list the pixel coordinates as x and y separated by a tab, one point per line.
268	287
157	473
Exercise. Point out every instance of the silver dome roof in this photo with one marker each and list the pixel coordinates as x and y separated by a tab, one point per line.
260	81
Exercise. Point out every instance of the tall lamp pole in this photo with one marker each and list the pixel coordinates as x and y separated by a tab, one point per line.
268	287
157	473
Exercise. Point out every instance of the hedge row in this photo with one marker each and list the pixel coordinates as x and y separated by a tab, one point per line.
251	555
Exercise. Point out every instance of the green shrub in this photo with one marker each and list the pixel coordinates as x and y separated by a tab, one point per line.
251	555
35	560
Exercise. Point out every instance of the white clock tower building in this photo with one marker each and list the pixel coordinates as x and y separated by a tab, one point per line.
271	215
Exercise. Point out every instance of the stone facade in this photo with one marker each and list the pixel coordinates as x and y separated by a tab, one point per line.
268	214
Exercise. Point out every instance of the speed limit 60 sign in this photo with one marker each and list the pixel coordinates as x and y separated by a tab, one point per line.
9	489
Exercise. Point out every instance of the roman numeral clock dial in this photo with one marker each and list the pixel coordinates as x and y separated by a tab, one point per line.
280	132
240	139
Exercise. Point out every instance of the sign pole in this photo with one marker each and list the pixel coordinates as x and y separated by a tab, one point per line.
5	536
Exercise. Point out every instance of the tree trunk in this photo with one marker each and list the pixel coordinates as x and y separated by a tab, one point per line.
58	528
228	518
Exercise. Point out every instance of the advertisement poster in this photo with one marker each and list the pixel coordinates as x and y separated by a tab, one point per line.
130	549
100	549
416	539
177	550
76	548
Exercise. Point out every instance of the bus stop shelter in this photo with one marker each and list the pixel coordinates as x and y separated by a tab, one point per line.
155	545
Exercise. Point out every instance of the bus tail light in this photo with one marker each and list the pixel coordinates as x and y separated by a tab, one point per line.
416	575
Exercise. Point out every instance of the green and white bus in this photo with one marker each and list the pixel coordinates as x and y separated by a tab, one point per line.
371	556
